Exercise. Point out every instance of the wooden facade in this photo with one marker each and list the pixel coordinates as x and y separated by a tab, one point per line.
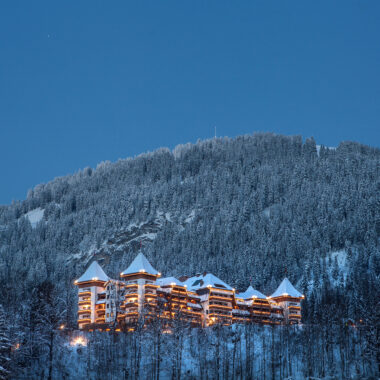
142	294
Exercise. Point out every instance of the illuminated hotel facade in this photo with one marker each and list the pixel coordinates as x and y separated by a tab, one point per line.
201	300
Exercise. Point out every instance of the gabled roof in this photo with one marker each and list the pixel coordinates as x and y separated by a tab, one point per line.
93	272
286	289
203	281
169	281
251	293
140	264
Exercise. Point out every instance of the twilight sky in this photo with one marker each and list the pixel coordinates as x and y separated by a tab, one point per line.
87	81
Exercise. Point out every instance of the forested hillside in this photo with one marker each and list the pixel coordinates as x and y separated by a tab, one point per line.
248	209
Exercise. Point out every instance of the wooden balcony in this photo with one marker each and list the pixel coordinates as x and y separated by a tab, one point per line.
226	298
216	315
261	312
84	320
84	311
83	294
127	295
128	305
87	302
216	306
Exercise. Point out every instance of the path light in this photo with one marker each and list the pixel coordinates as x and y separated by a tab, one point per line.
79	341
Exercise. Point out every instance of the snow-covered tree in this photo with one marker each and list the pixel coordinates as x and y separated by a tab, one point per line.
5	346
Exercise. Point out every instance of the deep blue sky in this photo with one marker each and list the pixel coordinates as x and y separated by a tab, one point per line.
87	81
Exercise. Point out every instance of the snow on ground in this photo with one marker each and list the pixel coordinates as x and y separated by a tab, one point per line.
191	217
35	216
266	212
341	257
328	147
168	217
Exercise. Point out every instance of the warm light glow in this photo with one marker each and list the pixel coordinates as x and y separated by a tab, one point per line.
172	283
159	274
142	270
62	327
94	278
15	347
209	286
75	282
79	341
285	294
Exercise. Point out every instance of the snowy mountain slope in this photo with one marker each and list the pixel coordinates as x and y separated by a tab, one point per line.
35	216
247	209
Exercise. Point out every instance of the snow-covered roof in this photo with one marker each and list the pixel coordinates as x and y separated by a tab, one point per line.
251	293
140	264
169	281
203	281
94	272
286	289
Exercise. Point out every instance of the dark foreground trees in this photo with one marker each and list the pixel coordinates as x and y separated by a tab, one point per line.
234	352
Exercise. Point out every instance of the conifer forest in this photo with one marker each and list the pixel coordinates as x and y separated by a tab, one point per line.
252	210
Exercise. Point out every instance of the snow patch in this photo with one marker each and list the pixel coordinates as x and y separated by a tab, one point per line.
191	217
35	216
266	212
341	257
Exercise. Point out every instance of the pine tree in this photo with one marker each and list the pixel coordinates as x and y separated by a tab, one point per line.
5	346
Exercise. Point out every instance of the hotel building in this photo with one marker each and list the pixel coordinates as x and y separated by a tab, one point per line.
201	300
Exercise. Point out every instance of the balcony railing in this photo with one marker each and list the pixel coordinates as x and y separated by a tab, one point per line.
84	302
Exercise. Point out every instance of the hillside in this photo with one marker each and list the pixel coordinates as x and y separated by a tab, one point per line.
248	209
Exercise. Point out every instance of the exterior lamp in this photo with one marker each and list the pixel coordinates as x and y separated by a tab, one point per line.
94	278
285	294
142	270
